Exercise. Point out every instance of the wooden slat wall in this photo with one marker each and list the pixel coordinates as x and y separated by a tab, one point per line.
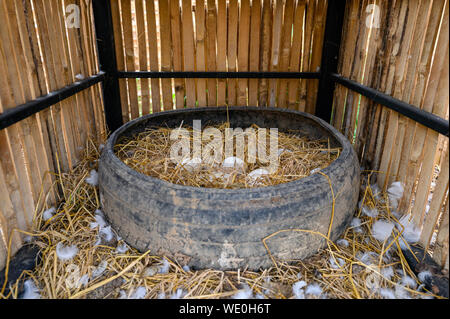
218	35
39	54
400	48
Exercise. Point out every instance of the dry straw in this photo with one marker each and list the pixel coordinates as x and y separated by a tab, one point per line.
337	269
149	153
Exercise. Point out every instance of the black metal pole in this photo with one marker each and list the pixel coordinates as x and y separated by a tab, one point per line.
218	75
330	55
20	112
427	119
107	60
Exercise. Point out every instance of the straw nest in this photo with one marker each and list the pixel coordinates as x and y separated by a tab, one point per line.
298	156
104	268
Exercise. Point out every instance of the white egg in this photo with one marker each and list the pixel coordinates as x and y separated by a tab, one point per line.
191	164
233	162
258	173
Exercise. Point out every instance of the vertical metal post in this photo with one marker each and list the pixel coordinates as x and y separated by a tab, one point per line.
107	60
330	56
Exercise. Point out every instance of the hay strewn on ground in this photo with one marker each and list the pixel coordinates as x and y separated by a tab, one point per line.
345	269
149	154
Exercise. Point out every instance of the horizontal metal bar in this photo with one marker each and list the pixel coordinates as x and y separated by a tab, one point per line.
427	119
20	112
220	75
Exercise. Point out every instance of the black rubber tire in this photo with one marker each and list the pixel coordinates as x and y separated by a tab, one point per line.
224	228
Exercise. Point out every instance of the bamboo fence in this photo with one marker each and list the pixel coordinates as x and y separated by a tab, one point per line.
39	54
258	35
400	48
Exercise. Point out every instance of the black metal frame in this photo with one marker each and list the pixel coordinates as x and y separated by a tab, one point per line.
20	112
109	77
427	119
218	75
107	60
330	55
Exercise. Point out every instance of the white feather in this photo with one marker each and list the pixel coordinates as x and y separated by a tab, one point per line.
164	268
411	232
98	242
178	294
49	213
395	193
93	178
333	263
314	170
186	268
369	212
79	77
83	281
387	293
396	189
151	271
245	293
396	214
122	294
30	290
342	242
313	289
99	220
107	233
387	255
356	222
297	289
99	212
66	252
375	191
161	295
423	275
401	292
381	230
122	248
139	293
97	272
407	281
367	258
387	272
